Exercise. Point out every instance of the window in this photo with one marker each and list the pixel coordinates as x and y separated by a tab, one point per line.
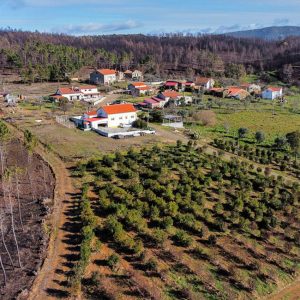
132	117
126	117
112	119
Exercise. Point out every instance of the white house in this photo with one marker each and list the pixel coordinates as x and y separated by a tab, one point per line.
70	93
251	87
139	89
134	75
236	93
103	76
169	94
86	93
137	75
205	83
112	116
90	93
272	93
153	102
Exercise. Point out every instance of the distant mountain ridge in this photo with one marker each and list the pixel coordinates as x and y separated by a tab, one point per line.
268	33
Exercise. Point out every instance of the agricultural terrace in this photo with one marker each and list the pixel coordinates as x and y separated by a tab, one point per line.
175	223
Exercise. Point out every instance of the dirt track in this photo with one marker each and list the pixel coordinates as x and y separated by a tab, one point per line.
49	282
291	292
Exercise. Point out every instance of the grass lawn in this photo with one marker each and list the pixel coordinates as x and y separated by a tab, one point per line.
272	120
133	99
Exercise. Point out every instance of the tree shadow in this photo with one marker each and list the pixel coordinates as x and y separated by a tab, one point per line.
59	294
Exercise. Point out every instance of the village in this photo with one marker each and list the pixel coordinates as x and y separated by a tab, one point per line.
182	146
119	118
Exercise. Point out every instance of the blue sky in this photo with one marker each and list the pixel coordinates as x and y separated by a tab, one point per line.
80	17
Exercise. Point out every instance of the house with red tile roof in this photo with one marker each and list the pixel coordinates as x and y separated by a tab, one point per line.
112	116
176	85
139	89
103	76
204	83
169	94
86	93
71	93
252	88
153	102
272	93
236	93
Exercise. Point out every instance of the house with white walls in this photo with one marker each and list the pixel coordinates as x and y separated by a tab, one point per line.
111	116
272	93
88	93
204	83
71	93
134	75
168	95
103	76
138	89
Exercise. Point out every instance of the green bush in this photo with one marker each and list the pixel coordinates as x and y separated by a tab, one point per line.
182	238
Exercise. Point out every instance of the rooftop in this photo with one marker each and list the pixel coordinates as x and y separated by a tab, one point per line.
202	80
274	89
107	72
119	108
138	84
171	94
68	91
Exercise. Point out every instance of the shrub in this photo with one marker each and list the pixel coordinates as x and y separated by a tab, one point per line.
212	239
159	236
107	161
151	265
206	117
182	238
242	132
113	261
200	252
140	124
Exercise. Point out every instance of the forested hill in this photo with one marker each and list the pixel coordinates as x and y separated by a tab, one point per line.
39	56
268	33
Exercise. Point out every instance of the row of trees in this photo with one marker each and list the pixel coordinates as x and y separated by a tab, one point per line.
280	154
158	195
49	56
88	222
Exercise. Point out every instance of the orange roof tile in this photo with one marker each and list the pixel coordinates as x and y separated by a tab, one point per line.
143	88
119	108
107	72
274	89
202	80
171	94
67	90
91	113
137	84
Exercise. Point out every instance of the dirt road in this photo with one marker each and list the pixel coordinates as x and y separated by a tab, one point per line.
50	282
291	292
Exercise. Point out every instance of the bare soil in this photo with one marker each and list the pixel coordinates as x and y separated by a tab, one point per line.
36	194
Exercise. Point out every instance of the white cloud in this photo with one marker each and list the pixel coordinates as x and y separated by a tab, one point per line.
94	28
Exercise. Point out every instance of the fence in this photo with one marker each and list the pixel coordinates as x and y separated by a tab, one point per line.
65	121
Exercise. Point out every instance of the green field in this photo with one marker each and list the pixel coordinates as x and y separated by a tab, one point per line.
273	120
